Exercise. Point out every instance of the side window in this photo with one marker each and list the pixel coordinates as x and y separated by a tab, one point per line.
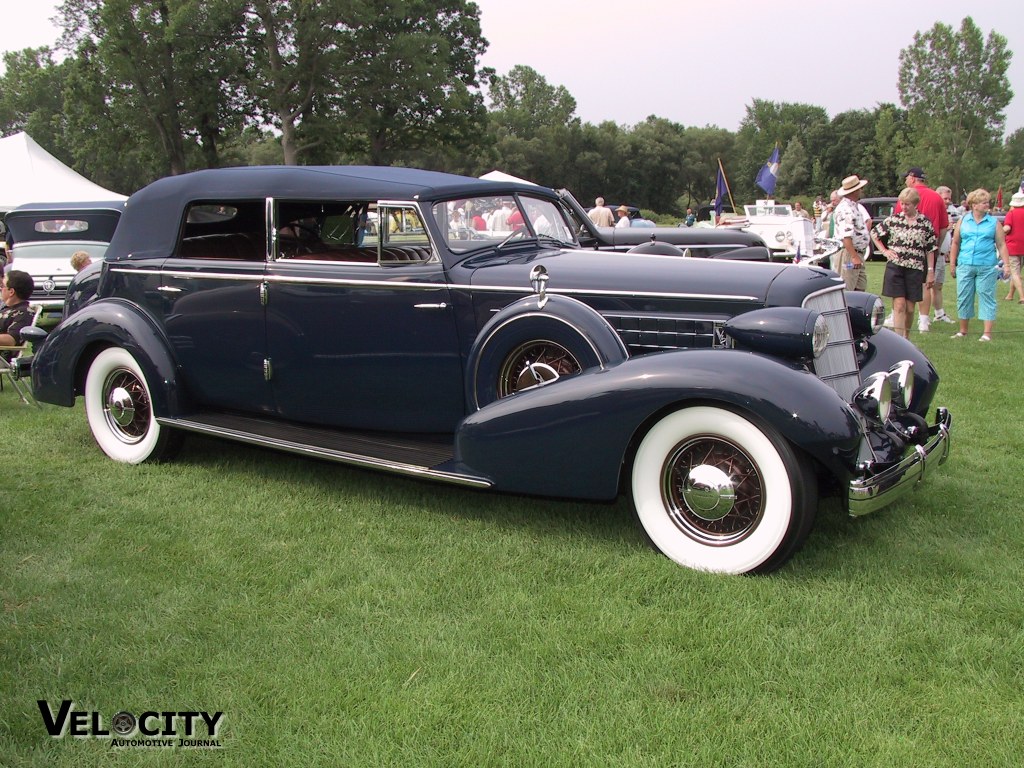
327	230
224	230
399	231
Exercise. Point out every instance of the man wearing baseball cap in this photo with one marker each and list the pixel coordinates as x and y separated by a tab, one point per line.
933	208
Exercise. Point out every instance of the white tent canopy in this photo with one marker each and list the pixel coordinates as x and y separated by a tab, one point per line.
497	175
30	174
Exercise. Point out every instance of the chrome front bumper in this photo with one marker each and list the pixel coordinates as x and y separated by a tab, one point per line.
869	494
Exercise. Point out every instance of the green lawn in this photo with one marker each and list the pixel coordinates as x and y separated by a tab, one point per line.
345	618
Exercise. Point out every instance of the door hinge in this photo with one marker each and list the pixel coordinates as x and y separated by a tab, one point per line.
268	369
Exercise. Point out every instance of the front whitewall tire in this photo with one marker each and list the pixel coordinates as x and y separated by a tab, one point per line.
726	445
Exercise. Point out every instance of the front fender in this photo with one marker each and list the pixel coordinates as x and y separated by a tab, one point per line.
60	366
572	437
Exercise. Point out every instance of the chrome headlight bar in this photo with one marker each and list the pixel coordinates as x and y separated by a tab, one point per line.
881	391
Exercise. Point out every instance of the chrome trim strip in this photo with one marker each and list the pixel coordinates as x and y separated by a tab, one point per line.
869	494
342	457
254	276
395	284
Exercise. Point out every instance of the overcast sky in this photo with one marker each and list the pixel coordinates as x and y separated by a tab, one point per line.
692	63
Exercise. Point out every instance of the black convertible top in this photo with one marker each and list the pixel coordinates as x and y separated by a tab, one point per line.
153	214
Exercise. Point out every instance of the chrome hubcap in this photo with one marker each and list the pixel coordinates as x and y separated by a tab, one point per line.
535	374
709	492
712	491
120	408
126	406
534	364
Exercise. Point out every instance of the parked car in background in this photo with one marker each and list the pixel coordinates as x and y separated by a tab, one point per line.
724	397
879	207
696	241
47	234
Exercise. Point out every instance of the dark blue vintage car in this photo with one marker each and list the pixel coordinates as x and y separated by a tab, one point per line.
466	337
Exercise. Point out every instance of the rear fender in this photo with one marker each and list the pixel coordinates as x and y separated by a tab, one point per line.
59	368
576	434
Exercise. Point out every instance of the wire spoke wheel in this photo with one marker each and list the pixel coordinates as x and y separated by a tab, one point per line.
713	491
126	405
119	408
534	364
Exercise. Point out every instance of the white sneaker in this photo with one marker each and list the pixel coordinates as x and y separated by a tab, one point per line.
942	317
923	324
888	321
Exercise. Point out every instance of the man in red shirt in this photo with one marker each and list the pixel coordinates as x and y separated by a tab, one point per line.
933	207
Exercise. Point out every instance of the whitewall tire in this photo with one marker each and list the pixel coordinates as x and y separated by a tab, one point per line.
120	413
715	492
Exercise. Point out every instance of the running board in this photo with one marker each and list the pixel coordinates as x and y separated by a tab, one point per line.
422	456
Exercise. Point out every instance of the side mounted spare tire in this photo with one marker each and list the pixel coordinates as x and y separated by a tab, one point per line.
527	345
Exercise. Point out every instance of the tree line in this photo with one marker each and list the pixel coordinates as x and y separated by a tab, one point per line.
148	88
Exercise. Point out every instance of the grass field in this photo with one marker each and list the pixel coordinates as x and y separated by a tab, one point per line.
344	618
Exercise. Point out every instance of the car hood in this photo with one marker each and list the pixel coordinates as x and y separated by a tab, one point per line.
638	275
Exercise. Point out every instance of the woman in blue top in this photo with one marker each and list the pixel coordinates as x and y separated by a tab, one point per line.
978	244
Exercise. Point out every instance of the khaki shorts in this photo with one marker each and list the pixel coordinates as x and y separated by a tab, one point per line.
940	268
856	278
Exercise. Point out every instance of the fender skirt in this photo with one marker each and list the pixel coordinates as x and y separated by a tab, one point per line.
572	437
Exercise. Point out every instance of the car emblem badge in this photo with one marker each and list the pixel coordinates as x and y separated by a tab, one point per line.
49	285
539	282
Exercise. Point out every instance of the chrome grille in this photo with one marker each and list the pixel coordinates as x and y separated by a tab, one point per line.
650	333
837	365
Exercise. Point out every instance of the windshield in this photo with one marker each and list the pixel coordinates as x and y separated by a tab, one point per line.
484	222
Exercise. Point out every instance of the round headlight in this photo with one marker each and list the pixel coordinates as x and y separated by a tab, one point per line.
874	398
820	340
901	377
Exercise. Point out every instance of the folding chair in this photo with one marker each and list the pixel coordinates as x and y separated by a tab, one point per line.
14	365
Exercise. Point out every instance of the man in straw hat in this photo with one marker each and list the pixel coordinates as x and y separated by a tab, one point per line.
851	228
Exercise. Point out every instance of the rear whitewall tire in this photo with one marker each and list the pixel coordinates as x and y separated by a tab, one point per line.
767	517
118	406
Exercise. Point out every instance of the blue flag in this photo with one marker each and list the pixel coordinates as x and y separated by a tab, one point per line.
769	173
721	190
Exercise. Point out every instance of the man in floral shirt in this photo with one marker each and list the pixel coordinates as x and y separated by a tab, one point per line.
851	228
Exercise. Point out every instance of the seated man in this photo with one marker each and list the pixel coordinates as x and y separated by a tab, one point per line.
15	313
